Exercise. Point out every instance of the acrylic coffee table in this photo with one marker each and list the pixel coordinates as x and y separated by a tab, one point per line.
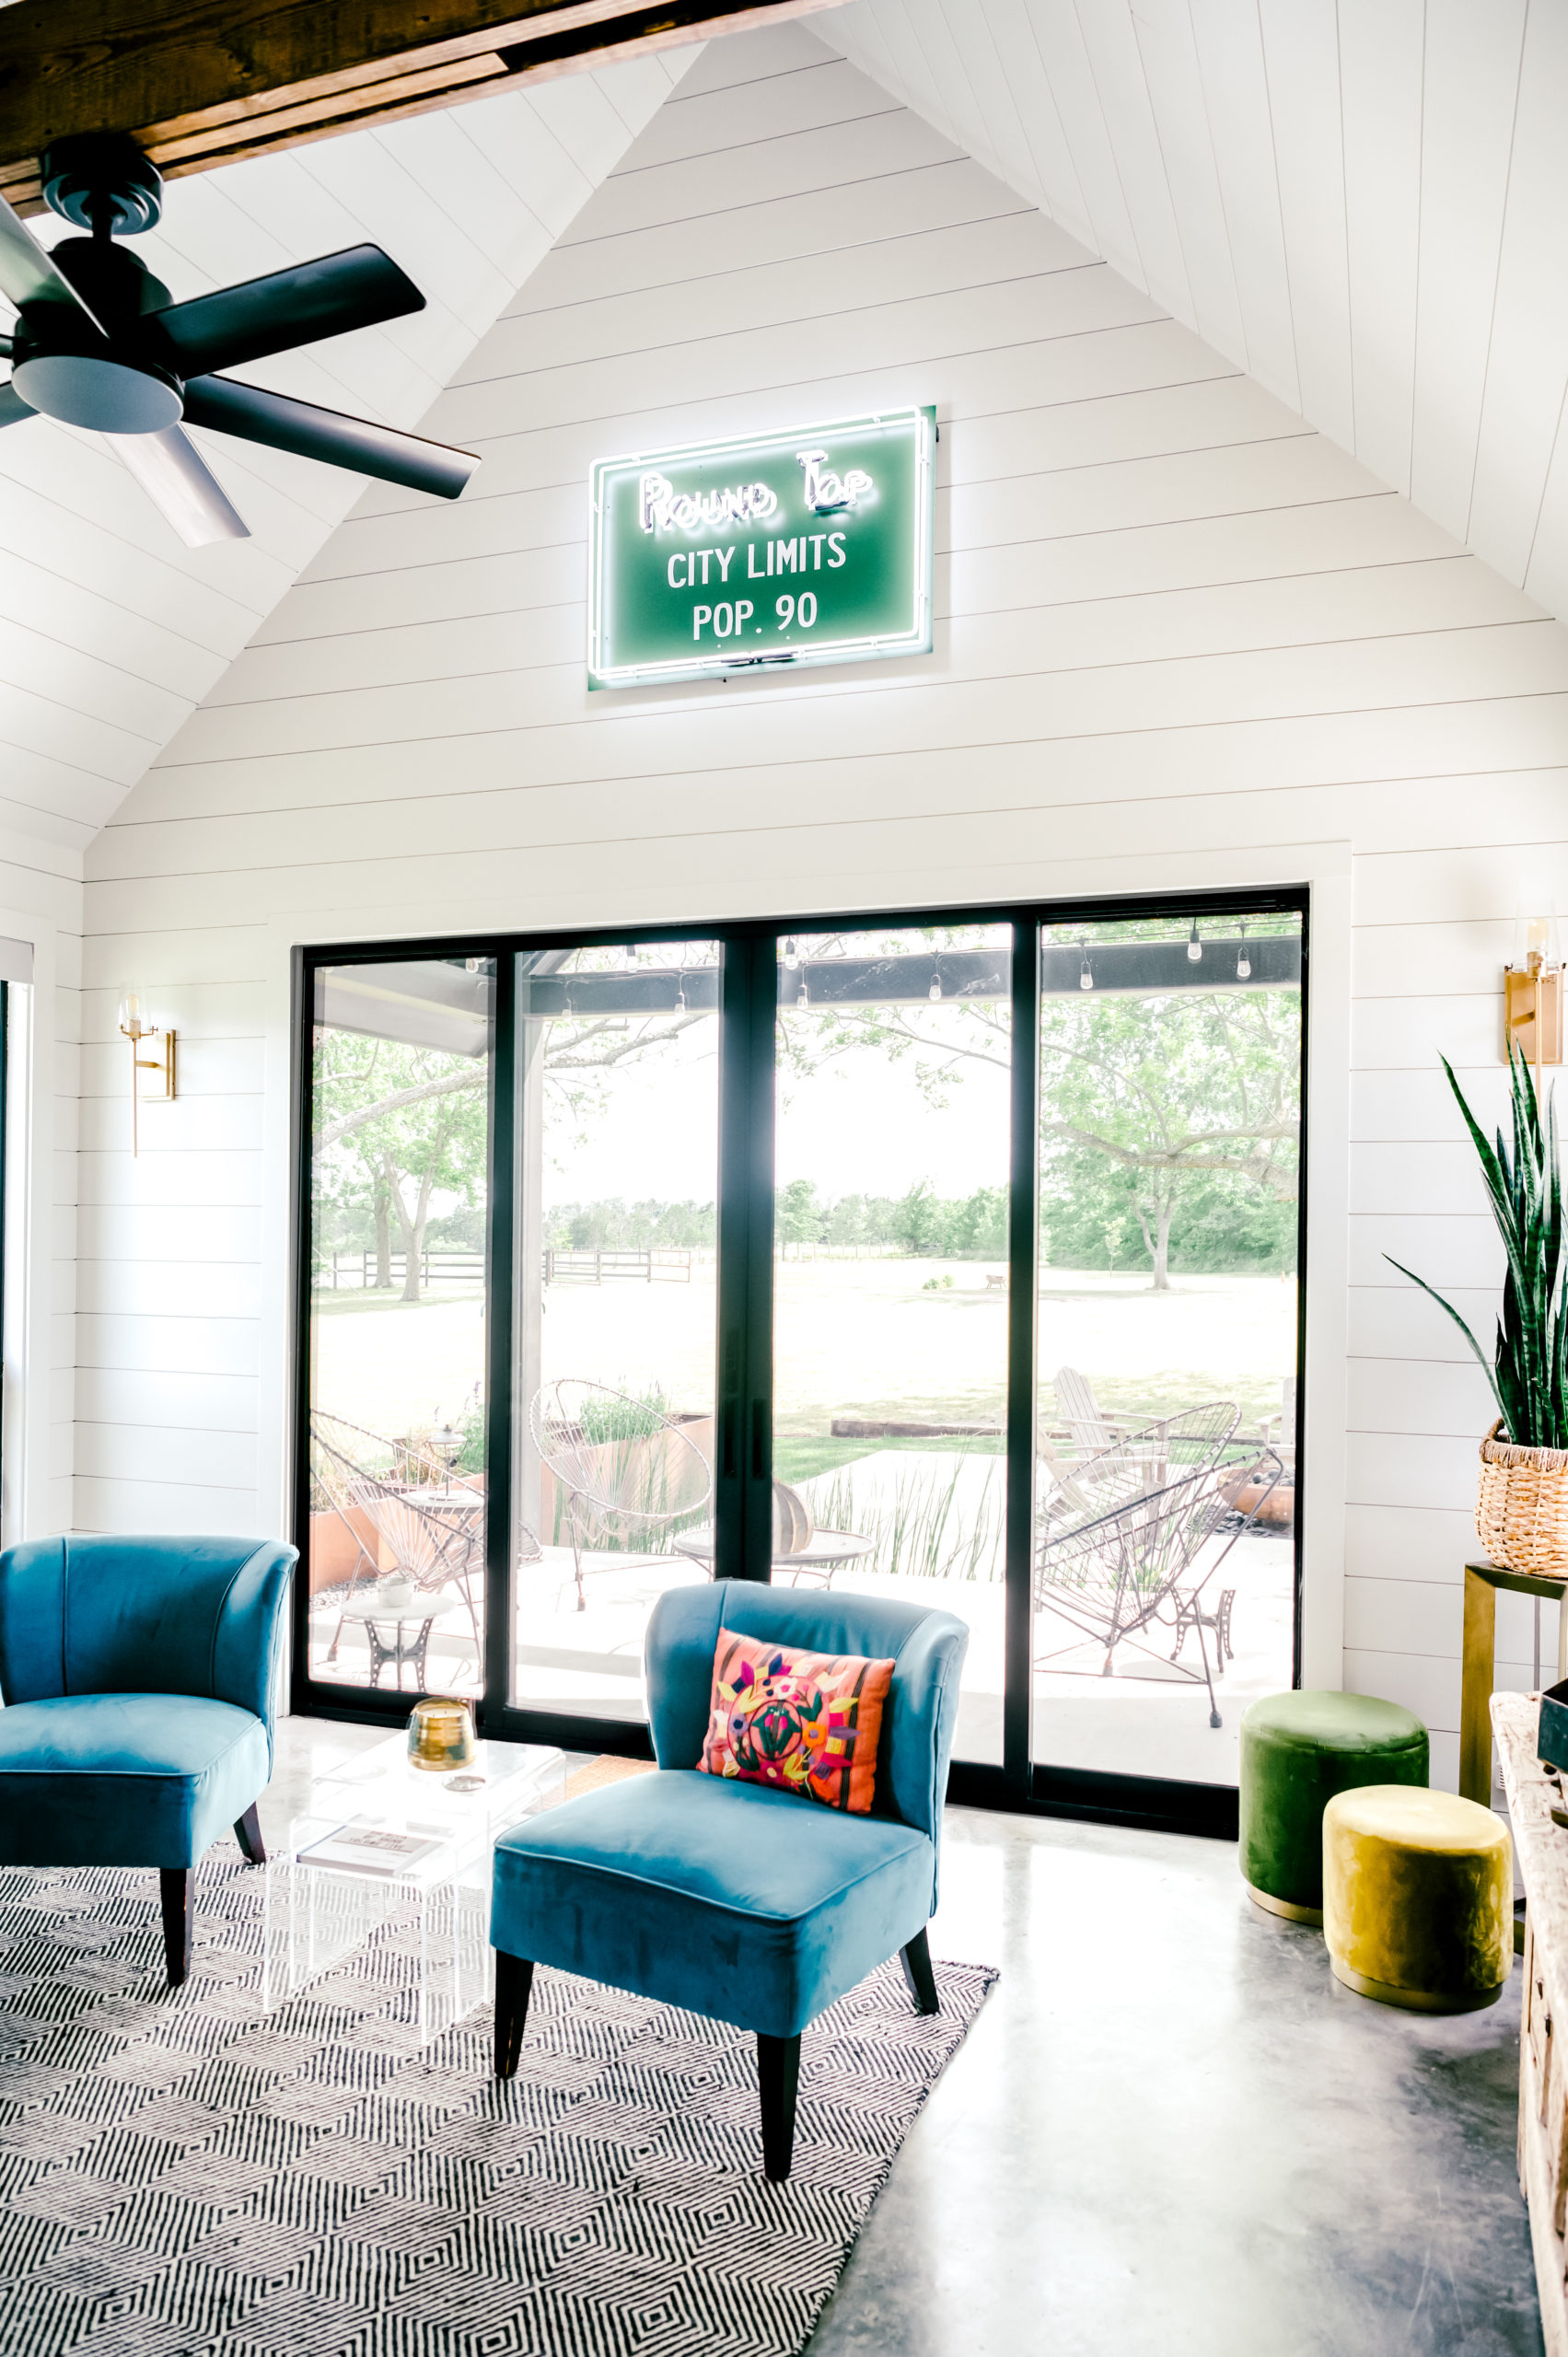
379	1839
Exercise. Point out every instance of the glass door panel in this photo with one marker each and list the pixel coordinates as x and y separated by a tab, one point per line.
617	1182
890	1278
401	1057
1169	1157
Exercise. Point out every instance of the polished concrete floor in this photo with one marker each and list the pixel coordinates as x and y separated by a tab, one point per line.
1172	2131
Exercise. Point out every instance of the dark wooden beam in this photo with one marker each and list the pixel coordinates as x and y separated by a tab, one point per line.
200	83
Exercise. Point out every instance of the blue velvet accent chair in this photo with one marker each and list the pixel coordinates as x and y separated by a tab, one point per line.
734	1900
137	1677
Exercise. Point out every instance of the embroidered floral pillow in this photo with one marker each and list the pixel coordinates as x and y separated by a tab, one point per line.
805	1723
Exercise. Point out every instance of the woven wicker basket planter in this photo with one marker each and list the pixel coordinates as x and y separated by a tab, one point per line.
1521	1515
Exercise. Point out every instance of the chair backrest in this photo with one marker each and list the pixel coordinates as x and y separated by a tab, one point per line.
927	1646
1080	1410
144	1616
620	1456
431	1547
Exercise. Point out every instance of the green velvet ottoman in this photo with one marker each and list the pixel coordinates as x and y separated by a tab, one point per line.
1298	1751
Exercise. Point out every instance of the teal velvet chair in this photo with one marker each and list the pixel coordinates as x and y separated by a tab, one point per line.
137	1677
733	1899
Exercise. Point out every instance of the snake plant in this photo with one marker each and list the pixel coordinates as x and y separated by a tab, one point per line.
1530	1374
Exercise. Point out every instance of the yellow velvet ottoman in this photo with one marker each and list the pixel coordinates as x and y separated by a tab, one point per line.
1418	1898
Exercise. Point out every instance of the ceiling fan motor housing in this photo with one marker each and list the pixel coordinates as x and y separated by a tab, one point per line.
100	180
63	366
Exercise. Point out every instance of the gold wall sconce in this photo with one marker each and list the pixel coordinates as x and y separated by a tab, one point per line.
133	1023
1532	992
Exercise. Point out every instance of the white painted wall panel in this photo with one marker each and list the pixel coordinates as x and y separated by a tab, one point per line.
1182	640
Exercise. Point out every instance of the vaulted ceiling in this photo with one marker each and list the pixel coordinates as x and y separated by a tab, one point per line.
1362	203
1365	205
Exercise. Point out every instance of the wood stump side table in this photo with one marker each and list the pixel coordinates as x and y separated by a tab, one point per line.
1479	1671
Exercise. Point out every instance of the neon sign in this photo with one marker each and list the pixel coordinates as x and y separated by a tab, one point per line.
808	546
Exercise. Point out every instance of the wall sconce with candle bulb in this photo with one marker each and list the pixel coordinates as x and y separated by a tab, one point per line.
1532	992
136	1027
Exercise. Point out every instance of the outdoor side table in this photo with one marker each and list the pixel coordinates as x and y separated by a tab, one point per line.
418	1621
1480	1664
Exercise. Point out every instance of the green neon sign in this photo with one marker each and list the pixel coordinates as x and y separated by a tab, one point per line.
809	546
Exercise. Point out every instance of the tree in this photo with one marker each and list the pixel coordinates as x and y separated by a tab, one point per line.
800	1216
920	1221
1187	1096
1173	1090
396	1125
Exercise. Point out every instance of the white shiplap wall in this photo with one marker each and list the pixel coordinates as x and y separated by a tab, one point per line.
1182	639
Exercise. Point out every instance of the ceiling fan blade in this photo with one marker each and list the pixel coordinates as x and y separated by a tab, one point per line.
338	441
357	288
28	273
13	409
178	481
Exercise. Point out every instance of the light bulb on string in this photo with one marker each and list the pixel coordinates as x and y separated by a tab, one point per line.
935	993
681	996
803	996
1243	963
792	955
1086	974
1194	946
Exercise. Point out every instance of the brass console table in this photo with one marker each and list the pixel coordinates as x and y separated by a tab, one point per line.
1481	1584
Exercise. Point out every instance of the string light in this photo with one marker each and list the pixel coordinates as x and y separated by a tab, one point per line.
1243	963
792	955
803	995
1194	946
1086	976
681	996
935	993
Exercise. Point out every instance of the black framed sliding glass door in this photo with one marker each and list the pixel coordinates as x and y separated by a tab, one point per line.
883	1255
615	1276
890	1297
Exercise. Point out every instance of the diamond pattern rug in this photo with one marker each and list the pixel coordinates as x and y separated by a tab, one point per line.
192	2174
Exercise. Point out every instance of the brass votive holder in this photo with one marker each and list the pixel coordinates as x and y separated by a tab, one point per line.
440	1735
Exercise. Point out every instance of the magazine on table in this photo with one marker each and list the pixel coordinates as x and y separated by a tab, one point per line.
363	1848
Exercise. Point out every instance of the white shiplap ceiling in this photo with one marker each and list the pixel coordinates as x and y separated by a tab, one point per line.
111	630
1362	203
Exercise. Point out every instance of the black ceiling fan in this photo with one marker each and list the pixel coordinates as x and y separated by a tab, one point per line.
98	342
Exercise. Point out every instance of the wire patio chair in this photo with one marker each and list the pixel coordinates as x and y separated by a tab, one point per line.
1135	1463
619	1464
1127	1566
435	1542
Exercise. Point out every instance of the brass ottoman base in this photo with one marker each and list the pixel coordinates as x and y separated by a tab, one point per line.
1286	1907
1415	2000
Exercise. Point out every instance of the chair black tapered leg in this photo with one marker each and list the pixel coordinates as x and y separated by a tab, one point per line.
247	1833
514	1981
778	2076
176	1891
921	1980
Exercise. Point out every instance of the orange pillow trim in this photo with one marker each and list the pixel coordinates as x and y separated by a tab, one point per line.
804	1723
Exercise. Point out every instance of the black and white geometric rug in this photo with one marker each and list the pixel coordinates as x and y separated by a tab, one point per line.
188	2174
